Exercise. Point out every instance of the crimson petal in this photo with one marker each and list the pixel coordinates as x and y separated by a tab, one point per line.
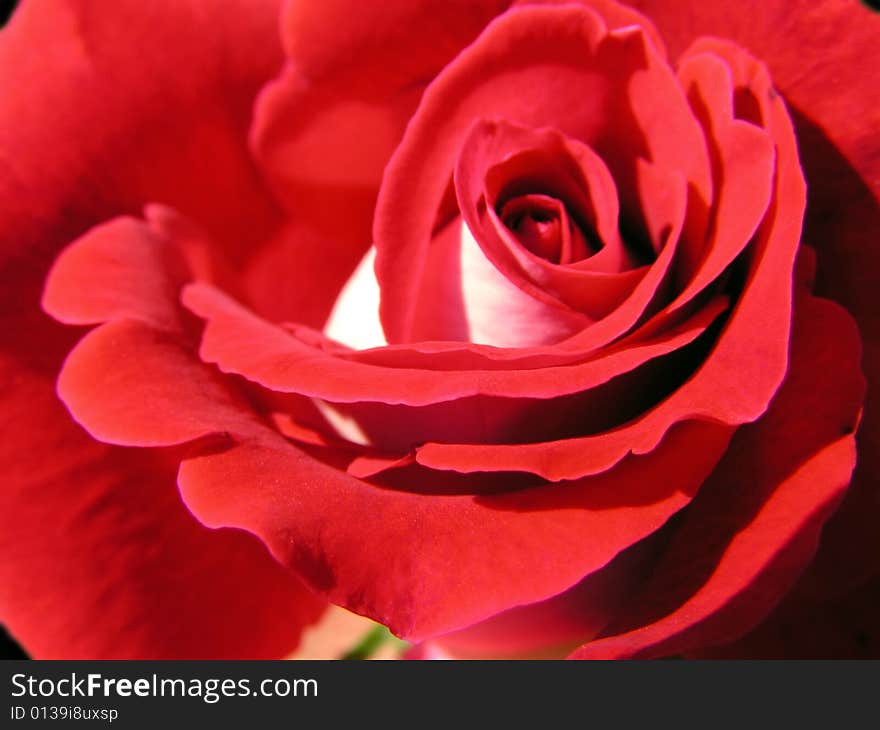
736	551
506	70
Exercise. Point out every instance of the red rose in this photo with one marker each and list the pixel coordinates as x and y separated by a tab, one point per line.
597	399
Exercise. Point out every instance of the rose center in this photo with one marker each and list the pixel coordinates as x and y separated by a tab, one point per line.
542	225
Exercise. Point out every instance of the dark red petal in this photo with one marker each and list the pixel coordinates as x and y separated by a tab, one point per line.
552	628
758	565
743	169
615	15
841	158
539	224
87	530
737	550
665	200
844	627
499	158
136	381
842	38
355	316
364	461
300	271
842	221
389	39
92	531
523	68
160	395
749	361
553	460
402	558
102	561
840	150
309	141
542	436
310	124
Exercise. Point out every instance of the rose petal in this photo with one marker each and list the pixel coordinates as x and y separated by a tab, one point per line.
438	311
310	124
102	561
319	106
121	269
187	112
759	564
743	158
528	87
133	385
552	628
842	222
737	550
615	15
500	426
130	384
842	37
841	155
241	343
577	173
845	627
119	544
467	298
299	273
507	549
387	39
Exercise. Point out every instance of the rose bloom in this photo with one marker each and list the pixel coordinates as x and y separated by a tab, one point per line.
522	328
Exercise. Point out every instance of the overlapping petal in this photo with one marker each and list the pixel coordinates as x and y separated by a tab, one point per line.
465	558
755	524
537	380
621	81
97	123
841	158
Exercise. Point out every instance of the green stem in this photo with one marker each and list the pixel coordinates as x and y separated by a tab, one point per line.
370	643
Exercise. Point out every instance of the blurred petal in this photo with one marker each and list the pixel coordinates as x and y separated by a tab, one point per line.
91	128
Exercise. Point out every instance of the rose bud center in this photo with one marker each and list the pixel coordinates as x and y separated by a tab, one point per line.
542	225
